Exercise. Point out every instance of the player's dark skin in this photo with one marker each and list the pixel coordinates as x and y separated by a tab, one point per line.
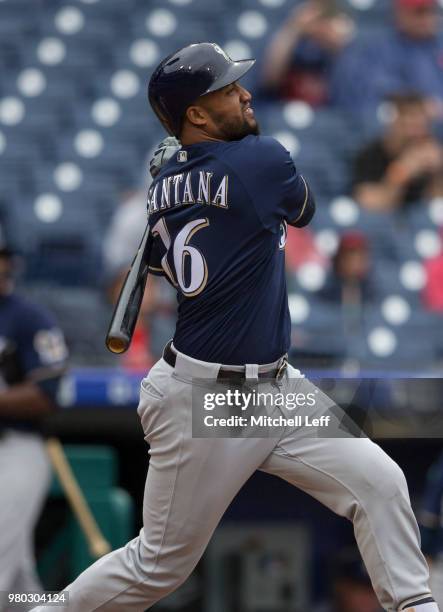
223	115
24	400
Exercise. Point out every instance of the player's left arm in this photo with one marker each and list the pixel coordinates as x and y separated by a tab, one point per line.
307	208
43	356
278	191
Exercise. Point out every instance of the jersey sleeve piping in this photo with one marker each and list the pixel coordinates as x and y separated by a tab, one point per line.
304	203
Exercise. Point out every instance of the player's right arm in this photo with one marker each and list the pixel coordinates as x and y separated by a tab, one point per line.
278	191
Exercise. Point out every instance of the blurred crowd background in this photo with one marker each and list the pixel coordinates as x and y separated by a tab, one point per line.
354	90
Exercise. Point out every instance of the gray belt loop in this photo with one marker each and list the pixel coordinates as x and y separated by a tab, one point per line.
251	372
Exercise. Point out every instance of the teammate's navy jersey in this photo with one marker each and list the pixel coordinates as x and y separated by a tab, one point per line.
431	515
32	348
219	214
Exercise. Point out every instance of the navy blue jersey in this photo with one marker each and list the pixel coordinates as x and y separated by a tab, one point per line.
219	214
431	515
32	347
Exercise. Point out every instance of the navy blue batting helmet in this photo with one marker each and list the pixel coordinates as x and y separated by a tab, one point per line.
186	75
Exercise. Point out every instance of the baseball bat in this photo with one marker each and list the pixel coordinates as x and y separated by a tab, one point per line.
126	310
98	545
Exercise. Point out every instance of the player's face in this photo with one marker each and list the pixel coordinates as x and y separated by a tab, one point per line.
230	114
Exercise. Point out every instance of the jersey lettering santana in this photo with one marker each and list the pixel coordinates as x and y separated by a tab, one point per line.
219	214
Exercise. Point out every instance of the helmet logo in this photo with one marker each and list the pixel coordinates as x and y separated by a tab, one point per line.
182	156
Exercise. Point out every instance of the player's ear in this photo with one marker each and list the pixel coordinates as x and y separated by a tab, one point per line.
196	115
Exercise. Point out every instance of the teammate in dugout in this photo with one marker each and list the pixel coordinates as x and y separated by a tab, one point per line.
32	359
218	209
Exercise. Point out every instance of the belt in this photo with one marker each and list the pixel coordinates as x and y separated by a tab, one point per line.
170	357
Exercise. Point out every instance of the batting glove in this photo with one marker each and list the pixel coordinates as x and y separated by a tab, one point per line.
166	149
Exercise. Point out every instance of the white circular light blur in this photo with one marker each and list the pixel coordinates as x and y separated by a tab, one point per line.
68	176
427	243
326	242
272	3
396	310
382	341
144	52
436	210
12	110
289	141
386	113
51	51
2	143
252	24
106	112
298	307
362	5
69	20
88	143
311	276
48	207
344	211
298	115
413	275
125	84
237	49
31	82
119	390
161	22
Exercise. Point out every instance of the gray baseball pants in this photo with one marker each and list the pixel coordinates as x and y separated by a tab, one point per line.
191	481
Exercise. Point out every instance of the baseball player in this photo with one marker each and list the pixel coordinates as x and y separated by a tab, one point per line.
32	360
218	210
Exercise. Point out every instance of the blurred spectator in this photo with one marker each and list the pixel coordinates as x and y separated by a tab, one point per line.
349	283
433	291
299	58
300	248
32	361
405	164
408	56
431	526
155	324
351	589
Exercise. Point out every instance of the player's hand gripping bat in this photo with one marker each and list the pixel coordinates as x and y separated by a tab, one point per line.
126	311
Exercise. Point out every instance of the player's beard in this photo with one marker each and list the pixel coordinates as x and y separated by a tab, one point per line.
234	129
